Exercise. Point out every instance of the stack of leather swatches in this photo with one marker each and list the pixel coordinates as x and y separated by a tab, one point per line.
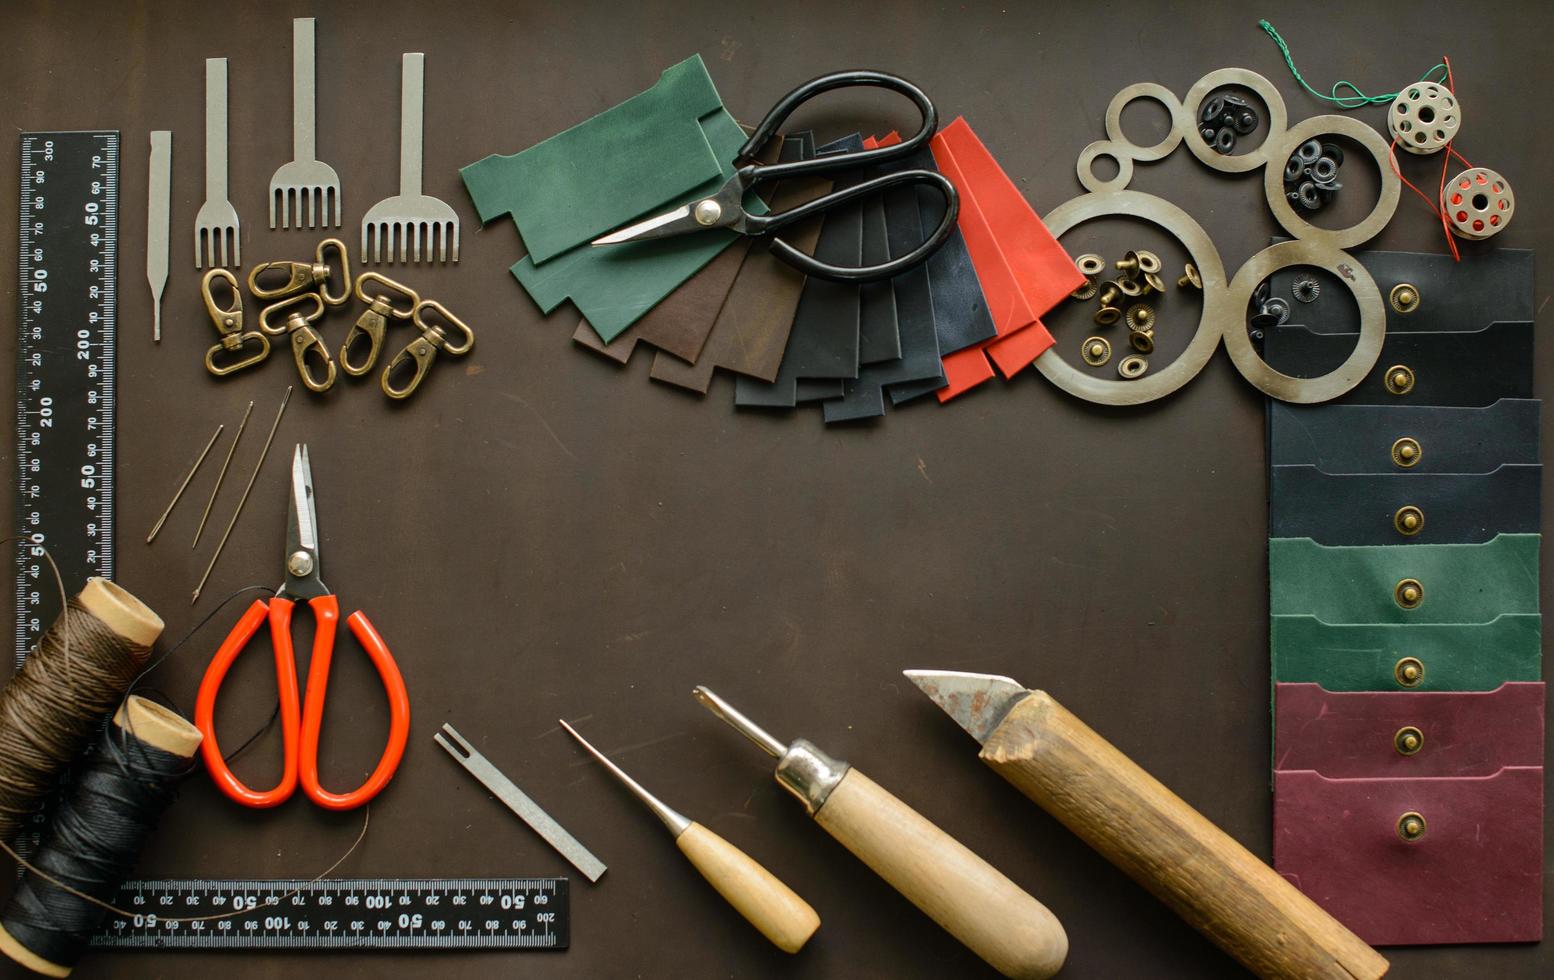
1405	630
715	300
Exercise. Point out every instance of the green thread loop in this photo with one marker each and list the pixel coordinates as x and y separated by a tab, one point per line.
1357	99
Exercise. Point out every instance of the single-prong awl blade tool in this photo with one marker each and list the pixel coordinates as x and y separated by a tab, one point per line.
1139	825
970	898
755	893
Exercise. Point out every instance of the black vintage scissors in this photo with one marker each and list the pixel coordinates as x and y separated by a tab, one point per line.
725	209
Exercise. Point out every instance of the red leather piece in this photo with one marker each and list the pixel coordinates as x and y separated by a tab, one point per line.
1351	734
1474	877
1024	271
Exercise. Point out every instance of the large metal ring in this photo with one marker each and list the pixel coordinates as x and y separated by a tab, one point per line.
1105	148
1144	90
1371	141
1239	163
1217	306
1304	391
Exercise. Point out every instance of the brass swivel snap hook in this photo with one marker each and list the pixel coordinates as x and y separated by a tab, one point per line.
305	275
373	323
423	350
229	324
304	338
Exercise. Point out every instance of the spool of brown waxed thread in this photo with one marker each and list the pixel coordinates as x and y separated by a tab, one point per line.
53	706
97	835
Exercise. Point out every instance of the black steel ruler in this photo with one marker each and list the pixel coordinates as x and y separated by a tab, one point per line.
65	363
342	913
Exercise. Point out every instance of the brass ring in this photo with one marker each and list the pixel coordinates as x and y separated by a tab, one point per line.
1240	163
1145	90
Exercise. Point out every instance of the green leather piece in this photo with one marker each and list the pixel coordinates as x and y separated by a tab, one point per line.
602	173
613	285
1456	656
1463	583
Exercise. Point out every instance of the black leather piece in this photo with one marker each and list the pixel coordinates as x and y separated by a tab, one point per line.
1457	368
817	389
879	337
960	314
1454	296
919	360
1340	439
824	340
1466	508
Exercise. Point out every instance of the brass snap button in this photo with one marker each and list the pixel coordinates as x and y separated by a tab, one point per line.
1408	740
1400	379
1409	672
1411	827
1409	520
1096	351
1404	297
1407	451
1408	593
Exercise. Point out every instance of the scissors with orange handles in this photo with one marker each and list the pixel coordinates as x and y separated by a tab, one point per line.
301	718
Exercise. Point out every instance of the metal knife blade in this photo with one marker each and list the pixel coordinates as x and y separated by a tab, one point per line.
978	702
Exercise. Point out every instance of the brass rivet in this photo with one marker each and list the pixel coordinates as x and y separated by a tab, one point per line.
1132	367
1400	379
1409	672
1110	294
1140	317
1128	287
1143	341
1128	264
1408	740
1408	593
1409	520
1149	262
708	212
1190	277
1089	289
1107	315
1090	264
1407	452
1404	297
1096	351
1411	827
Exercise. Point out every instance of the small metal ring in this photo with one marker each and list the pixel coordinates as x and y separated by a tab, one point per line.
1145	90
445	314
1278	119
286	304
1132	366
1371	142
325	247
1105	148
392	286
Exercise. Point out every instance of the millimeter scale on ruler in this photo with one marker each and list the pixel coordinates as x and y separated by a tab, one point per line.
342	913
65	393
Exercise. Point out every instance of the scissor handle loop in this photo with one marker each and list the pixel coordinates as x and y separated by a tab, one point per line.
839	162
811	266
313	709
278	612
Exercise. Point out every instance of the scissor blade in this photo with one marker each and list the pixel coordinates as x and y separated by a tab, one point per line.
676	222
302	526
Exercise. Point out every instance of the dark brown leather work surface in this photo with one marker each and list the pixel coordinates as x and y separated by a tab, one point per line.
540	533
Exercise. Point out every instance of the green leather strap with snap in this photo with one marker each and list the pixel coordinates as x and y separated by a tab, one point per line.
1451	656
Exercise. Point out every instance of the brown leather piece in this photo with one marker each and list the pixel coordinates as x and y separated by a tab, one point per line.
680	324
751	331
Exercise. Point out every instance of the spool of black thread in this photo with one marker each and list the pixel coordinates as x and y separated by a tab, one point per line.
97	834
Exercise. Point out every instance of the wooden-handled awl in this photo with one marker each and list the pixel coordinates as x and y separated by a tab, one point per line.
755	893
1139	825
970	898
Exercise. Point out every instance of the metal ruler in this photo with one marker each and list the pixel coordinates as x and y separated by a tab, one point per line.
65	362
353	913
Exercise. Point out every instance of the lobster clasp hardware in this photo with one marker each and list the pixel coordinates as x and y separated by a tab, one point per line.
423	350
305	275
229	324
305	339
395	300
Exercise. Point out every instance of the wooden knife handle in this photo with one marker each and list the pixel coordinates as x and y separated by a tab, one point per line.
757	894
1212	882
970	898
